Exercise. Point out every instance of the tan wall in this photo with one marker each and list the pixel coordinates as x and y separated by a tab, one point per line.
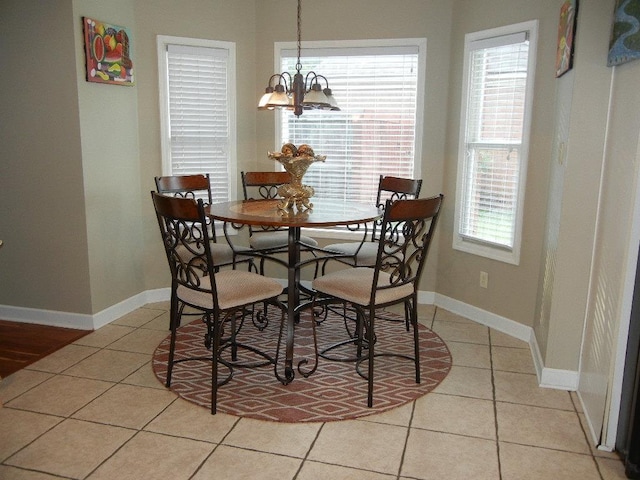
103	204
110	167
212	20
367	19
44	263
616	246
582	127
512	289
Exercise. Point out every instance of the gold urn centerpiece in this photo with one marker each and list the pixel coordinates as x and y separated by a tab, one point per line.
296	161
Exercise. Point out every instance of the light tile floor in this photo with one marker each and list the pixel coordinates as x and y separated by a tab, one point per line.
94	409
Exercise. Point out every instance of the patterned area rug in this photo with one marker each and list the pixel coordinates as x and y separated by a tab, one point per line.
334	392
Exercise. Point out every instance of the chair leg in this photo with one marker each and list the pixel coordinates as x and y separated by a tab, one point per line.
360	332
407	315
416	337
234	342
370	341
174	322
213	329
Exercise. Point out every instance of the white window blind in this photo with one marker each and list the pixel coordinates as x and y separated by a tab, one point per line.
374	133
199	131
494	140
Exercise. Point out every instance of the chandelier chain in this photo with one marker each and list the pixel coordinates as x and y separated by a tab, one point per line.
299	65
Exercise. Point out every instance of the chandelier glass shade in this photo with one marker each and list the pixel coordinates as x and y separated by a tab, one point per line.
298	92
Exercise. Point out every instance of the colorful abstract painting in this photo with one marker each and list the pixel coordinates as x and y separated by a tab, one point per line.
107	52
566	33
625	34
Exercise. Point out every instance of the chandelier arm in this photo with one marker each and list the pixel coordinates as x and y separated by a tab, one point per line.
297	86
324	78
286	79
311	75
275	75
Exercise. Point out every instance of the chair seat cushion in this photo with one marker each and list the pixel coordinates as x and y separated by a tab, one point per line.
235	288
354	285
366	257
279	239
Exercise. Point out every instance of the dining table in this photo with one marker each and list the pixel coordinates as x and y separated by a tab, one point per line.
325	213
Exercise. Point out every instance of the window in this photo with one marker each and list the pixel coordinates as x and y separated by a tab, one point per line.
379	88
197	95
494	130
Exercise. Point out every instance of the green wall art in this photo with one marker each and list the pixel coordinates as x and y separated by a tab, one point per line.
625	34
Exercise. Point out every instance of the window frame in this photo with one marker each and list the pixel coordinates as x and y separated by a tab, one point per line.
162	42
311	48
462	242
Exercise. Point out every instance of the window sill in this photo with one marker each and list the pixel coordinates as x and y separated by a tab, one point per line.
507	256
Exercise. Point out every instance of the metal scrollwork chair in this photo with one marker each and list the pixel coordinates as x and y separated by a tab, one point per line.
264	186
199	186
405	235
363	253
224	297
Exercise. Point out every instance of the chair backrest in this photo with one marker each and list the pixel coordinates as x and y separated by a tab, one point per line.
186	241
405	236
400	188
188	186
394	188
263	186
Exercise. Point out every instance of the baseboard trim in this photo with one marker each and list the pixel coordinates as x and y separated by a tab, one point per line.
547	377
552	377
116	311
51	318
491	320
80	321
559	379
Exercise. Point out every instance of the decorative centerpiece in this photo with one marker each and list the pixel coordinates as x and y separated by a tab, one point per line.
296	161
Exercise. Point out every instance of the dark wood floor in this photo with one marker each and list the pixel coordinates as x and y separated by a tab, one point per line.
21	344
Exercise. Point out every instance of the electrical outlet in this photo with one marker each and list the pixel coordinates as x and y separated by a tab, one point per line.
484	279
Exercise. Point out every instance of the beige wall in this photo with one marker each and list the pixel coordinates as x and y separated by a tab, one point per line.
110	166
581	126
616	246
91	240
512	290
44	263
367	19
212	20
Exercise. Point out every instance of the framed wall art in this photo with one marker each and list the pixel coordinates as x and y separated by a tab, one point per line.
624	45
107	52
566	34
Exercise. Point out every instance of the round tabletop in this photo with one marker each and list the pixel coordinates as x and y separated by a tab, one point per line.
325	213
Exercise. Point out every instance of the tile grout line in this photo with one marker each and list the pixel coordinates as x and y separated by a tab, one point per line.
586	437
406	440
119	382
217	445
495	406
306	456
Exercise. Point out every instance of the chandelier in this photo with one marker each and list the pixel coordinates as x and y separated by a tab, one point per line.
297	93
